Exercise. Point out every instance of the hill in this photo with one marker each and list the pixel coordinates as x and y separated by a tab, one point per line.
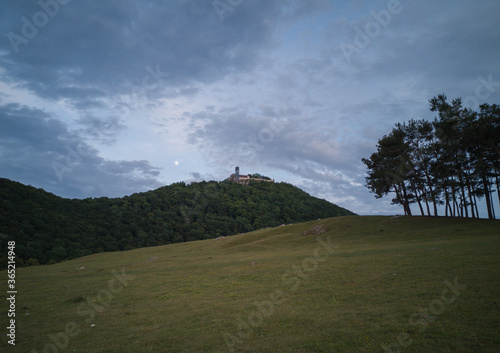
49	229
345	284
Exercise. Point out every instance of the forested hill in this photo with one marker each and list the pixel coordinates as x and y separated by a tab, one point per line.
48	228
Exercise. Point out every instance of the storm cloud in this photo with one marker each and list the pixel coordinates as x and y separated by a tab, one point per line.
114	97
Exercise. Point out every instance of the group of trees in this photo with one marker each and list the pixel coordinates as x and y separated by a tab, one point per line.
452	161
259	176
50	229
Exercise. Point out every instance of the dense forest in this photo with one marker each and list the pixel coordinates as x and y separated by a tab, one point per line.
452	161
49	229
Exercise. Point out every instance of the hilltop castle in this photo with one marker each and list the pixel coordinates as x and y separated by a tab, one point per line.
245	179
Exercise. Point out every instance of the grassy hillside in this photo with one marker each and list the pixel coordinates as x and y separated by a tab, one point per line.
430	285
49	229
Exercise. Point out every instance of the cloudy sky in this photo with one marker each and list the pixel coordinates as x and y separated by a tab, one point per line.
112	97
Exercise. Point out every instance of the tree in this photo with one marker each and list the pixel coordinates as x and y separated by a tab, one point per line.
418	135
484	147
452	130
389	168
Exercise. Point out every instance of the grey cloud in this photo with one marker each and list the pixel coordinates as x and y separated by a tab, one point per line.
196	175
103	130
239	138
435	39
91	46
39	150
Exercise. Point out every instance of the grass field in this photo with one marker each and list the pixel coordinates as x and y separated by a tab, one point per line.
367	284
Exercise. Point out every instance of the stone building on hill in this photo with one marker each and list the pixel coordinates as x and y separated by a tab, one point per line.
236	177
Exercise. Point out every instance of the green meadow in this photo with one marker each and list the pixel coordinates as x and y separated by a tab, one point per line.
345	284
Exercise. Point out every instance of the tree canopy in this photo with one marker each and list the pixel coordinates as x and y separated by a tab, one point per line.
259	176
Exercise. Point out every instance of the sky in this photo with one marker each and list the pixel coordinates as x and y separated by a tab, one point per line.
114	97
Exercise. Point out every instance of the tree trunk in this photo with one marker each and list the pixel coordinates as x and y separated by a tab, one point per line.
487	196
428	178
498	189
464	200
417	188
399	197
470	194
418	201
405	195
491	198
424	194
475	205
433	196
447	206
455	203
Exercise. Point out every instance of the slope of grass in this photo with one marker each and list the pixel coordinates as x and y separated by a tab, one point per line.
407	284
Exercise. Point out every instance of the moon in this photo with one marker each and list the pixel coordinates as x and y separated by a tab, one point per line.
176	162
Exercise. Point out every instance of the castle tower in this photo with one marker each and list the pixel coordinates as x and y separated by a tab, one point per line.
237	173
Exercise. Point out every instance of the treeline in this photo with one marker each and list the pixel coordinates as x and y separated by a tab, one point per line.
259	176
452	161
49	229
